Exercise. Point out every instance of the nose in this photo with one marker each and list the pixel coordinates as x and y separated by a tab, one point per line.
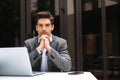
44	28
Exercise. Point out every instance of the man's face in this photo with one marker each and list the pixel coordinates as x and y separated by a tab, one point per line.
44	26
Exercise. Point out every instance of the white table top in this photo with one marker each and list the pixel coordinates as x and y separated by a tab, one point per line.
53	76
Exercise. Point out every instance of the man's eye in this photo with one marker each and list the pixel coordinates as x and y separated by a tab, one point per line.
39	25
47	25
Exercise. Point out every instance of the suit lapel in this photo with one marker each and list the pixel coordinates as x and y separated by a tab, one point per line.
36	41
53	39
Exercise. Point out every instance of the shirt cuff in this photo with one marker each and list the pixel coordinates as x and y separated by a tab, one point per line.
39	51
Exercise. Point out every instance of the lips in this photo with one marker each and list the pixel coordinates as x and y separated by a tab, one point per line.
44	33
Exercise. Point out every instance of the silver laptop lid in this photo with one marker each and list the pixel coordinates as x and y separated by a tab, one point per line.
15	61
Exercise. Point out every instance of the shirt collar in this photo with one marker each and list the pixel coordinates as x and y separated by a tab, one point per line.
51	38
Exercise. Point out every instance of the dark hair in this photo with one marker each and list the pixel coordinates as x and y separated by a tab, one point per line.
44	14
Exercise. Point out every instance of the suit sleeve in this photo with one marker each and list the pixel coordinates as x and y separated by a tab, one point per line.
33	54
61	58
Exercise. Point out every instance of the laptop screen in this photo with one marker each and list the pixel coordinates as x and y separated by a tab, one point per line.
15	61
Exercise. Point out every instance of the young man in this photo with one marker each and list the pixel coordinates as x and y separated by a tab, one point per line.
47	52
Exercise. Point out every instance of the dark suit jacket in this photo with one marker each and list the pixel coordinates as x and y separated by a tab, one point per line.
58	58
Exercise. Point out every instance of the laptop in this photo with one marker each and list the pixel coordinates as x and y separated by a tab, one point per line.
14	61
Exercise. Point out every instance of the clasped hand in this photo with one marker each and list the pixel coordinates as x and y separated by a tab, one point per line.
44	43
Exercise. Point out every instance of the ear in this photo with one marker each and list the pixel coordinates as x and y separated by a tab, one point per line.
52	27
36	27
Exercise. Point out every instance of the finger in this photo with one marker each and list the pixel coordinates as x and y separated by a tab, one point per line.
47	37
